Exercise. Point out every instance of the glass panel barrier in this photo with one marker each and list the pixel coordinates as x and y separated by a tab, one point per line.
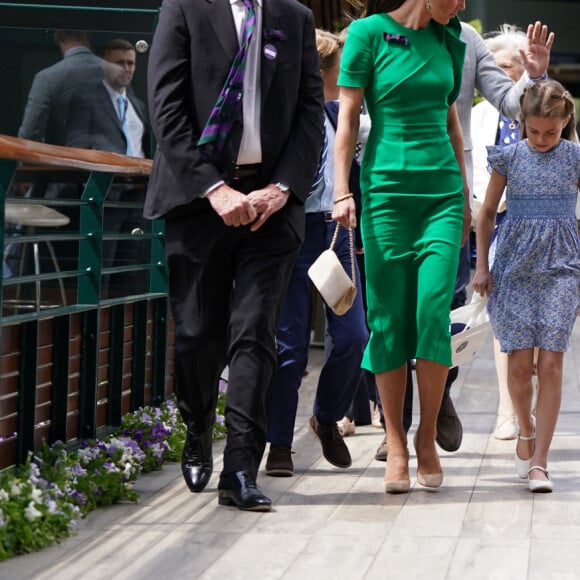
80	83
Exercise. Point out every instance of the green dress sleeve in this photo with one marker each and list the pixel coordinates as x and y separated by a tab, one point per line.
356	65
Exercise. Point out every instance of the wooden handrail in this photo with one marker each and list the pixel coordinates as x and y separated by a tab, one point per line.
72	158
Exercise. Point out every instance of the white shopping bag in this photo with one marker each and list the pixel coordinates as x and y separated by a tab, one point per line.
476	328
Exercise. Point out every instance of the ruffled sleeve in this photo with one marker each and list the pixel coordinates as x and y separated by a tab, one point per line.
498	158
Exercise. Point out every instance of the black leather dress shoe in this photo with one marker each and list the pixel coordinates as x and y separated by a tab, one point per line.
197	460
240	489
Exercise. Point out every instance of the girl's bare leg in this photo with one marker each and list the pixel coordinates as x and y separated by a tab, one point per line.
520	367
549	369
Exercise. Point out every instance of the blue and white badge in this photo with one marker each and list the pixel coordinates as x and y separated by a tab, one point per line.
270	52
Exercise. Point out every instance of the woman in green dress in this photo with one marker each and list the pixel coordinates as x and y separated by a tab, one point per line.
405	59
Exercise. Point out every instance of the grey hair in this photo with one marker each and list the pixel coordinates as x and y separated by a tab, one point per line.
508	37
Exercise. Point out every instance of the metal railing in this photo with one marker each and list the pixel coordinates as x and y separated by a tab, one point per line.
119	343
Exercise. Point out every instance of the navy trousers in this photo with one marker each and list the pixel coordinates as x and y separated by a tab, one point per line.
341	372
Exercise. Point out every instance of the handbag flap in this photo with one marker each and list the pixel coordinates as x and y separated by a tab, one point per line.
331	280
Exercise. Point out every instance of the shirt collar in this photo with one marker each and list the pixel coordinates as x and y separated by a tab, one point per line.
76	50
114	94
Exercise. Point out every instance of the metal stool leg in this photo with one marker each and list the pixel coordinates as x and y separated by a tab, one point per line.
56	269
36	255
20	273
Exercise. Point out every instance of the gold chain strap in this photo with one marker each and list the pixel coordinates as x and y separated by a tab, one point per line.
351	247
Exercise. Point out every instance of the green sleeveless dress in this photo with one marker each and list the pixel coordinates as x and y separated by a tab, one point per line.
412	188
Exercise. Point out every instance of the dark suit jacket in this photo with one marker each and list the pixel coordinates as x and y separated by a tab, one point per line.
94	123
49	100
192	50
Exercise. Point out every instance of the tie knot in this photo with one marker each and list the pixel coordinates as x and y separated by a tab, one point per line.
249	4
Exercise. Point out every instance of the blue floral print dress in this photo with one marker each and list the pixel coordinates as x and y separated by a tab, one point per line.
536	272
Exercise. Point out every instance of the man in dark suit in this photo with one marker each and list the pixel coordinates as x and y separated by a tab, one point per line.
49	100
108	116
235	217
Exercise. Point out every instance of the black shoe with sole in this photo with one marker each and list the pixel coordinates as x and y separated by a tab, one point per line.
240	490
197	460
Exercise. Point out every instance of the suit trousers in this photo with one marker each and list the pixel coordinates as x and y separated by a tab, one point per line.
341	372
226	286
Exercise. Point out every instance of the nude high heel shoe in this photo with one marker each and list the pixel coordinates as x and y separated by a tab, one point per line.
397	485
432	480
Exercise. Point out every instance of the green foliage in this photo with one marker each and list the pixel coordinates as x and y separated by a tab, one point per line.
477	25
41	501
34	513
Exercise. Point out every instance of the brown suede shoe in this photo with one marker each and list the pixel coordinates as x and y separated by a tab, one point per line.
279	462
381	454
334	448
449	427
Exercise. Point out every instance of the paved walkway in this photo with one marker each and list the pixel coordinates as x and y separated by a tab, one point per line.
338	524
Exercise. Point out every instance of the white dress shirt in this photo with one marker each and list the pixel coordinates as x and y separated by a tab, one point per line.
135	128
251	146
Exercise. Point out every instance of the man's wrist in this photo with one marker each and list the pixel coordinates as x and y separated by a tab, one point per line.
213	188
282	187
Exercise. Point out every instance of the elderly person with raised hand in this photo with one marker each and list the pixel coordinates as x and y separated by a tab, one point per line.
490	127
481	72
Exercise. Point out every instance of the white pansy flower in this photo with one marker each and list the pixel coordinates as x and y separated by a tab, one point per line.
36	495
31	513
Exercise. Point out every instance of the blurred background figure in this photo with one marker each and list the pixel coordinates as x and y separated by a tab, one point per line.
340	375
489	127
48	107
109	117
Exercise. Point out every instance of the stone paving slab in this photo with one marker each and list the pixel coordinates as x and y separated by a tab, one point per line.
329	523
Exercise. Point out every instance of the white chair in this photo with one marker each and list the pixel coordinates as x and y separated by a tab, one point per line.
31	216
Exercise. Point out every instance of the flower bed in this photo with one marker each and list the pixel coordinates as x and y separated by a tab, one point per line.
41	501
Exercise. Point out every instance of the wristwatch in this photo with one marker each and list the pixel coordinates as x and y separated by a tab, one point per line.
282	187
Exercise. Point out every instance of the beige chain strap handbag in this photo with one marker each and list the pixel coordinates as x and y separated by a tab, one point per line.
337	289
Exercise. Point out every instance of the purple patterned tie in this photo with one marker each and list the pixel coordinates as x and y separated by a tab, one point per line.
229	103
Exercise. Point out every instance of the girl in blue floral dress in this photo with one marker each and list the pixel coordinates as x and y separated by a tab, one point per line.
534	283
